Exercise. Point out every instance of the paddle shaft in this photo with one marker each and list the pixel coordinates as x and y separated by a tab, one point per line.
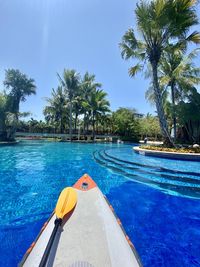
50	243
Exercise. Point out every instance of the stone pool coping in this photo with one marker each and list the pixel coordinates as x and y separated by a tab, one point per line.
9	143
165	154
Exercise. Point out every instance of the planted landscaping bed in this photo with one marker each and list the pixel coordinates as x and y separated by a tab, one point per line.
179	150
170	153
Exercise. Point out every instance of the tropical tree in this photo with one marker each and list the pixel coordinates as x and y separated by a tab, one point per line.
77	106
56	111
158	22
3	110
70	82
104	123
88	85
149	127
178	73
23	126
125	123
188	114
19	86
177	78
98	105
11	125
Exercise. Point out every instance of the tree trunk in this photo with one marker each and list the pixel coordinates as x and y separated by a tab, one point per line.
61	125
75	124
93	126
3	133
84	123
173	108
188	130
70	120
159	106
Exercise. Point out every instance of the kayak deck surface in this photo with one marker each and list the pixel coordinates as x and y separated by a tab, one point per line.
90	237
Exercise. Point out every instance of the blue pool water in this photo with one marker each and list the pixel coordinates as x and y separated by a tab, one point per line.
156	199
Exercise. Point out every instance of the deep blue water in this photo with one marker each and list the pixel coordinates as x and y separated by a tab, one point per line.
163	224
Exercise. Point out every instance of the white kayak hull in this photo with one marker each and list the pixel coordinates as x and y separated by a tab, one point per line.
90	235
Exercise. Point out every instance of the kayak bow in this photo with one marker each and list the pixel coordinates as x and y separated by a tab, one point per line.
90	234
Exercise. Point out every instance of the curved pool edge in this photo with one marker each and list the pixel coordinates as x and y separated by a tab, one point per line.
168	155
6	143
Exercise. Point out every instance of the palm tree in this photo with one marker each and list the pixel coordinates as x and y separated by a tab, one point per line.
88	85
178	73
159	21
70	82
19	86
3	110
189	117
56	109
99	106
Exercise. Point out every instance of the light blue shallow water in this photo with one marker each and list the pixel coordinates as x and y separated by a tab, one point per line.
178	165
162	221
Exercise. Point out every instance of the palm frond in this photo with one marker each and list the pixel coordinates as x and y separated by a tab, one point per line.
135	69
194	37
131	47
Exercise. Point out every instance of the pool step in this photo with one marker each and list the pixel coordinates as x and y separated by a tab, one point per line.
160	178
168	182
150	171
155	168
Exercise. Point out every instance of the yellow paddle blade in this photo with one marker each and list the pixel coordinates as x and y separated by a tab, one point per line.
66	202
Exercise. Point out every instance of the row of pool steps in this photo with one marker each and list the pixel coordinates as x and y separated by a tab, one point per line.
178	182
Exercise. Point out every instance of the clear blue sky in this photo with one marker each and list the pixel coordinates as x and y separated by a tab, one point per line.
42	37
